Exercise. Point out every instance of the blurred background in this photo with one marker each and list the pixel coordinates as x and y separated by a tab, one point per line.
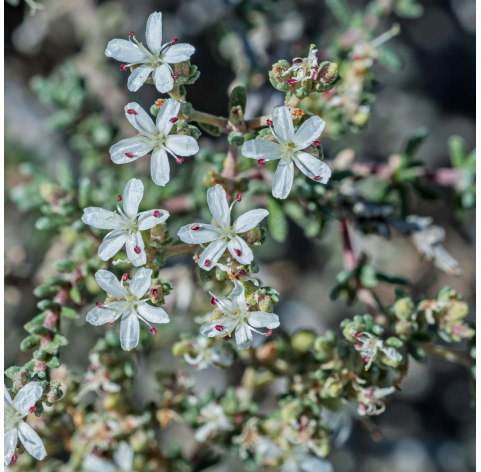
431	425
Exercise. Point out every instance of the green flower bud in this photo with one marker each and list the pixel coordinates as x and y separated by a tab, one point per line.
328	73
181	69
237	139
403	308
160	233
40	355
195	132
51	348
394	342
30	342
186	109
303	341
252	236
66	266
154	110
220	274
302	92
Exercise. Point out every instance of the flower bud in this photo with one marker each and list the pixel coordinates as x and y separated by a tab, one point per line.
160	233
252	236
328	73
236	138
302	341
268	353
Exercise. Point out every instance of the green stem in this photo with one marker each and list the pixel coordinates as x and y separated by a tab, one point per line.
202	117
452	355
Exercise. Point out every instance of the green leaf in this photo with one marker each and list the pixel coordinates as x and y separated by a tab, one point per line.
69	313
238	97
391	279
417	352
341	11
368	276
457	150
277	220
415	141
212	130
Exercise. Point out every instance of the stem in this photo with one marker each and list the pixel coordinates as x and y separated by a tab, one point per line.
452	355
293	102
202	117
180	249
259	122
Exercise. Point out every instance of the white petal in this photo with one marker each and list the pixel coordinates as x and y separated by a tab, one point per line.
312	167
243	336
249	220
27	397
224	304
170	109
9	444
124	51
147	219
203	432
261	149
212	253
153	32
31	441
238	296
100	218
182	145
135	241
110	284
260	319
159	167
205	234
112	244
153	314
309	131
124	455
99	316
133	193
163	79
245	256
217	201
283	124
178	53
94	464
283	179
138	77
210	331
129	332
315	464
136	146
7	399
140	282
140	120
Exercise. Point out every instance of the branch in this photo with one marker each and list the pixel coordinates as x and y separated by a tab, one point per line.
452	355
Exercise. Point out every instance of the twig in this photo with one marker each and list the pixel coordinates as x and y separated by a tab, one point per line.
452	355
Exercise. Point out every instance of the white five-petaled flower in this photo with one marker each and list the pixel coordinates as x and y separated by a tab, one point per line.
289	149
208	355
154	60
369	346
214	419
130	305
123	460
126	225
15	427
306	68
154	137
371	399
223	236
239	318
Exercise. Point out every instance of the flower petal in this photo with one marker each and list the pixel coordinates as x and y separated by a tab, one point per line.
135	241
160	167
309	131
153	314
135	146
9	444
140	120
140	282
94	464
212	253
163	80
178	53
238	296
170	109
260	149
182	145
31	441
100	218
237	244
312	167
243	336
249	220
209	329
133	193
217	201
27	397
110	284
283	179
129	331
261	319
205	234
124	51
124	455
99	316
138	77
310	463
112	244
283	124
153	32
7	399
147	219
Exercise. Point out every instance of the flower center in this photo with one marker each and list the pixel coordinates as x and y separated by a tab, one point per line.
12	417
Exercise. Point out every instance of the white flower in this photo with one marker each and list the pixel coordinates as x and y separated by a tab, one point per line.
306	68
156	138
223	236
214	420
126	224
238	318
369	346
239	273
154	60
123	458
299	461
370	399
208	355
289	149
14	426
130	306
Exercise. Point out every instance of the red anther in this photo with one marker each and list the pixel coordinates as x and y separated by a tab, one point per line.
174	119
131	33
213	300
237	252
238	198
358	345
111	323
157	213
239	419
155	292
316	178
129	155
358	334
153	330
98	304
175	40
33	409
14	459
269	332
362	407
137	250
219	327
174	76
366	359
123	67
179	160
315	75
292	81
119	198
269	122
296	61
243	273
316	143
131	111
195	227
125	277
262	162
207	263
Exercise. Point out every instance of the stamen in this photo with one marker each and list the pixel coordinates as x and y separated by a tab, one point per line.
137	250
238	252
269	332
131	33
174	76
238	198
219	327
179	160
124	67
33	409
174	40
131	111
316	143
174	119
153	330
269	123
119	198
358	345
98	304
316	178
129	154
243	273
358	334
366	359
14	459
155	292
262	162
157	214
195	227
125	277
213	300
315	75
207	263
292	82
297	60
